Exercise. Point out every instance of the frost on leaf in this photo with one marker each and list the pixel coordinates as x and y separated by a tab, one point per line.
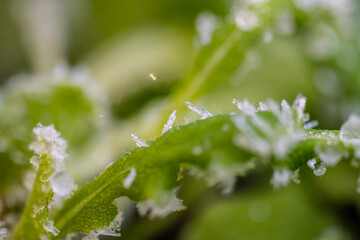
129	179
201	111
139	142
62	183
168	125
50	228
330	155
265	139
221	175
350	130
282	177
159	209
319	168
111	230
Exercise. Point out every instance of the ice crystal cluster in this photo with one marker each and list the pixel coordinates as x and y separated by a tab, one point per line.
111	230
53	180
167	204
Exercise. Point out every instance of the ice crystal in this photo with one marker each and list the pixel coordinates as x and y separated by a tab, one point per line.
201	111
330	155
282	177
311	124
111	230
158	209
129	179
320	170
350	130
50	228
168	125
245	106
62	183
265	139
48	142
139	142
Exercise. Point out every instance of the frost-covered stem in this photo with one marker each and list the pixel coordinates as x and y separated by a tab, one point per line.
30	226
51	180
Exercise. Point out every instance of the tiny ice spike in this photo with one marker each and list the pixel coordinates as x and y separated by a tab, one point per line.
168	125
139	142
201	111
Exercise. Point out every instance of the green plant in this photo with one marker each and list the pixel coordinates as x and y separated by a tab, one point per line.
218	147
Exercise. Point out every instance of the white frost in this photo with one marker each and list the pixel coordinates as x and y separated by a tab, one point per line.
129	178
154	209
62	183
311	124
282	178
201	111
111	230
139	142
168	125
245	106
330	155
49	227
350	130
320	170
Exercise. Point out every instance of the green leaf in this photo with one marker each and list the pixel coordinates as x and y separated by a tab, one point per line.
213	147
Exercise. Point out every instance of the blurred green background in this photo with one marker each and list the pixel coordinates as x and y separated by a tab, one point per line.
85	67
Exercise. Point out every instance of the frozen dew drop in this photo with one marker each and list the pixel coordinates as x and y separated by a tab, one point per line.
34	160
129	179
62	183
201	111
330	155
43	177
38	206
320	170
246	20
168	125
139	142
311	163
49	227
